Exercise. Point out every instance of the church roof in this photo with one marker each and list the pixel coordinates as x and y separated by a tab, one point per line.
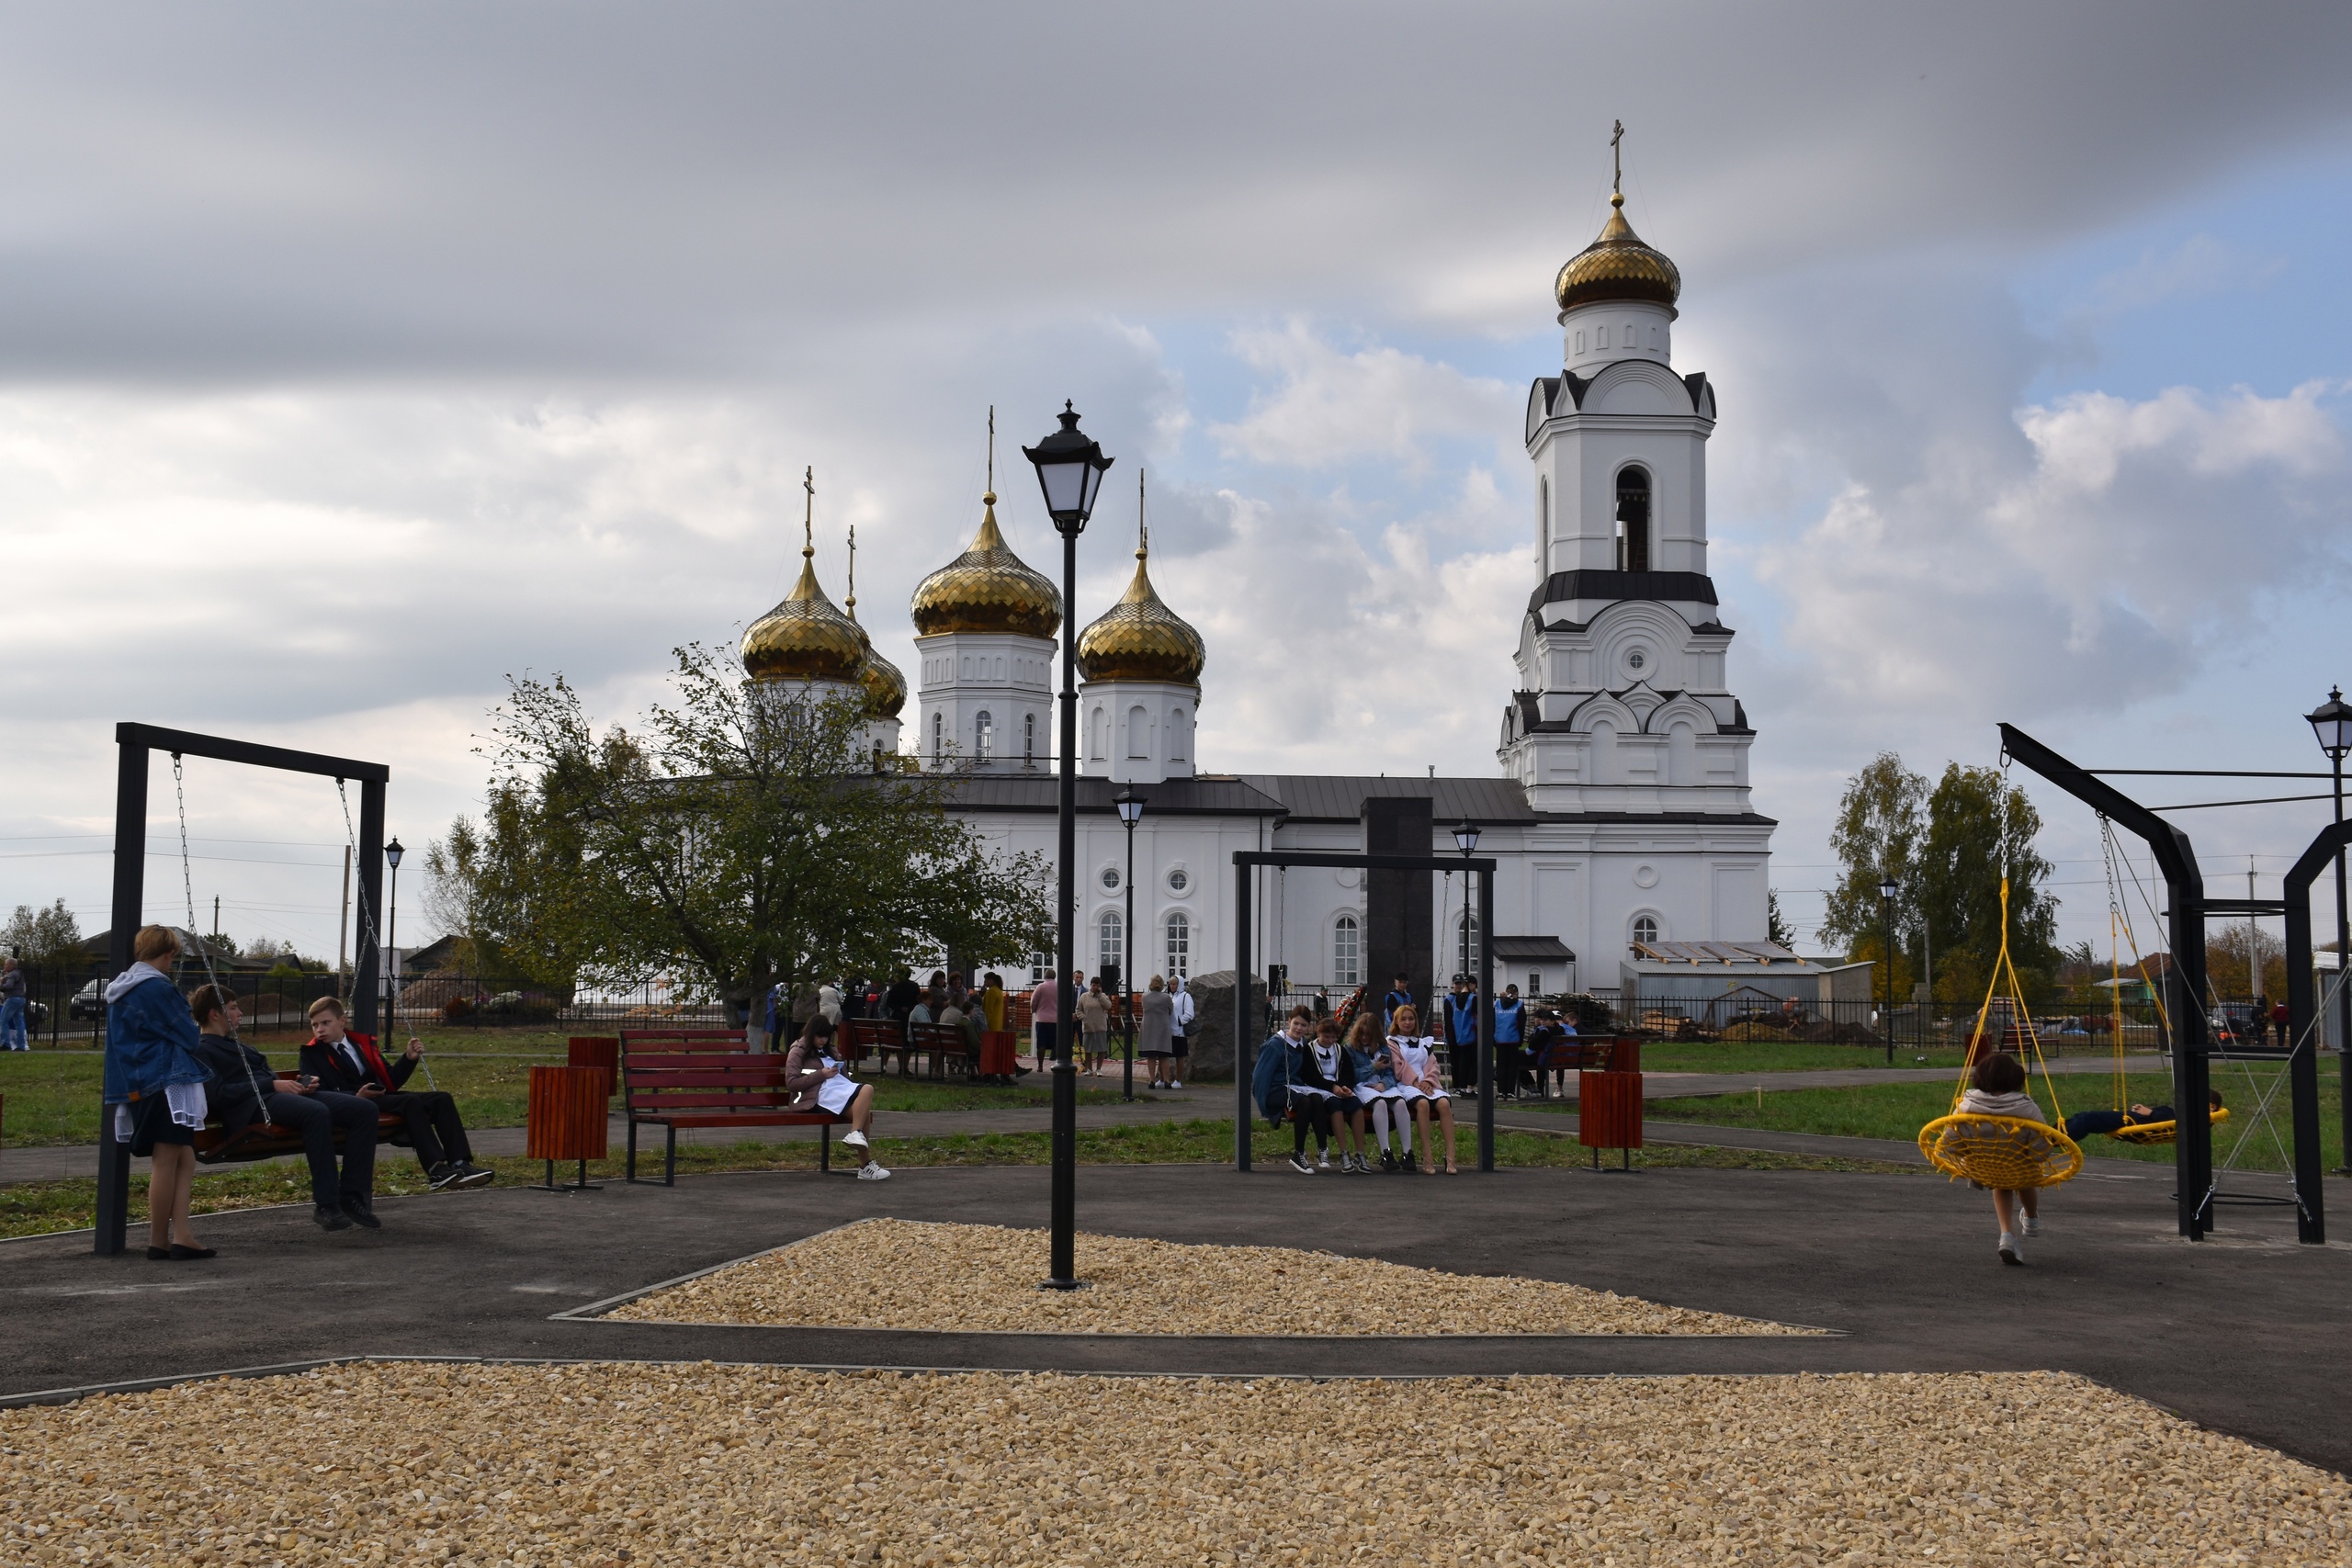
1339	797
1040	791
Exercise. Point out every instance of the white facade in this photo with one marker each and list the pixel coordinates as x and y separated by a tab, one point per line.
1621	811
985	701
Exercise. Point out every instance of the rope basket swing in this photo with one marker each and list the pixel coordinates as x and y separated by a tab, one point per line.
2007	1153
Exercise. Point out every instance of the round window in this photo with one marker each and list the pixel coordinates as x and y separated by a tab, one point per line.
1178	880
1109	879
1637	659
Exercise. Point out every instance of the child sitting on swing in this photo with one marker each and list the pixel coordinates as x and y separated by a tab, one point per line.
2086	1123
1996	1087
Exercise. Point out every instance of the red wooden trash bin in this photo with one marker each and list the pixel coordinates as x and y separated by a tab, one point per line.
601	1051
1609	1113
998	1054
565	1121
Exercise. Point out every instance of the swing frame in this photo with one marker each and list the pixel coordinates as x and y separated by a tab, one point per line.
136	744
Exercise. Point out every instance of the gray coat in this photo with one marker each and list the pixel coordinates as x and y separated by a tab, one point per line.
1155	1026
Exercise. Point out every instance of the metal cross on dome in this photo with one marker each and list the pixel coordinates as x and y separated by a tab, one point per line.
1616	160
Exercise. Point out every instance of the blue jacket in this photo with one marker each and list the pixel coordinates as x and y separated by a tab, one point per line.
1507	1019
151	1042
1270	1080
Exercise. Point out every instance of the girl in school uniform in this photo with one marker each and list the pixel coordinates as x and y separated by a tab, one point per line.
1416	1059
1321	1081
1379	1097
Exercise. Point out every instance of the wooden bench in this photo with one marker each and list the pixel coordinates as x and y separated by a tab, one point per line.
267	1140
703	1083
942	1043
883	1036
1578	1054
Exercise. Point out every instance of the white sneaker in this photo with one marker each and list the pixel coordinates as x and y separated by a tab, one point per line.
1323	1162
2032	1226
854	1138
1174	1084
2010	1252
871	1172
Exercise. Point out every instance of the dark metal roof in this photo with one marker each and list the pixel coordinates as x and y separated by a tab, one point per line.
1211	796
1551	947
1685	587
1339	797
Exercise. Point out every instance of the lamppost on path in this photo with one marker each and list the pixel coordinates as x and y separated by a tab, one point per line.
1130	813
392	852
1466	839
1070	467
1887	889
2332	722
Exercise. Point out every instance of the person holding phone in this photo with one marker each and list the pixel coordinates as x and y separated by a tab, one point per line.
818	1079
246	1090
347	1062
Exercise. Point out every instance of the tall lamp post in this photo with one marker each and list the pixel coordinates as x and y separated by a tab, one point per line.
1466	839
2332	722
1130	813
392	852
1887	889
1071	466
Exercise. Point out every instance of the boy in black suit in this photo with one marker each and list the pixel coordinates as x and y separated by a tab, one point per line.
350	1064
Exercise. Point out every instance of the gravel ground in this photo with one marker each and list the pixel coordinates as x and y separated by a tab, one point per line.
593	1466
886	1273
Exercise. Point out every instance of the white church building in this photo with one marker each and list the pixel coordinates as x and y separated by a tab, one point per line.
1620	811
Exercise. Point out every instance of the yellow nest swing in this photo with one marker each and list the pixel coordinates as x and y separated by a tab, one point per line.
2007	1153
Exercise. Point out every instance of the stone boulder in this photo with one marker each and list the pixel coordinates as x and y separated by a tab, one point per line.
1210	1039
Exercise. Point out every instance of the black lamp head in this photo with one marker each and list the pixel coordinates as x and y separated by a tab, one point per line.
1071	466
392	852
2332	722
1466	838
1130	806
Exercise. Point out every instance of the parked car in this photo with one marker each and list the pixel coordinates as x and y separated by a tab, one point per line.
89	1003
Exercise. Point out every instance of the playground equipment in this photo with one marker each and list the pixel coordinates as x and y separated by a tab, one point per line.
135	743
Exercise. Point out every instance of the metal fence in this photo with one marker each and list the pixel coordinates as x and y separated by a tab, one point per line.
65	1005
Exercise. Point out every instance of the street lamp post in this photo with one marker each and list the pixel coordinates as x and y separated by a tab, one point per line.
2332	722
1070	467
1887	889
1130	813
1466	839
392	852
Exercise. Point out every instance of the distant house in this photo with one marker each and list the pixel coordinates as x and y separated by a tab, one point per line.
1698	977
194	951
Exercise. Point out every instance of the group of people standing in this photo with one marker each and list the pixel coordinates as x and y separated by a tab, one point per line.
173	1062
1164	1015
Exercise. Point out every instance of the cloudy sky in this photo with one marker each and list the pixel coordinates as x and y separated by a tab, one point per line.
351	358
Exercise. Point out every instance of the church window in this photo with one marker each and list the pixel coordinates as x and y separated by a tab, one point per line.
984	736
1179	726
1347	951
1179	944
1178	880
1101	737
1138	732
1543	520
1028	737
1634	520
1637	659
1111	944
1579	342
1109	879
1644	930
1466	943
938	738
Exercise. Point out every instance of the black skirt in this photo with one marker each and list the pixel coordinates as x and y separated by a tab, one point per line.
151	1124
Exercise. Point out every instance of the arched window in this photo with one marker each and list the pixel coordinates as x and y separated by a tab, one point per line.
1140	732
1180	727
1180	945
1028	740
983	736
938	738
1466	943
1101	737
1644	930
1634	520
1347	951
1543	520
1111	944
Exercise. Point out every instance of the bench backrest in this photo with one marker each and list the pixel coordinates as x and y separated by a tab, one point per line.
866	1033
945	1037
1584	1053
659	1081
680	1039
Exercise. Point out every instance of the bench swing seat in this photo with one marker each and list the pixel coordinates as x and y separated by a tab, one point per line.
2007	1153
2149	1135
268	1140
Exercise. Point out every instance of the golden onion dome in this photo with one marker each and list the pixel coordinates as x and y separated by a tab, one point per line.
1617	265
885	683
805	639
988	589
1139	638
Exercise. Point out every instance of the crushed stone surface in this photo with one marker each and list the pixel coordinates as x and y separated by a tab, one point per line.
888	1273
598	1465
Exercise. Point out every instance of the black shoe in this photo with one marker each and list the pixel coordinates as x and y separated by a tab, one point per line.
440	1176
1387	1162
1411	1163
472	1175
362	1212
1298	1163
159	1255
331	1217
181	1254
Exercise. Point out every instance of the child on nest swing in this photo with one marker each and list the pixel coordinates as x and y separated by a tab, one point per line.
1996	1087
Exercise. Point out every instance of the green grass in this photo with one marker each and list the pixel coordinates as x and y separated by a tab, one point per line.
52	1096
1791	1057
42	1207
1900	1110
